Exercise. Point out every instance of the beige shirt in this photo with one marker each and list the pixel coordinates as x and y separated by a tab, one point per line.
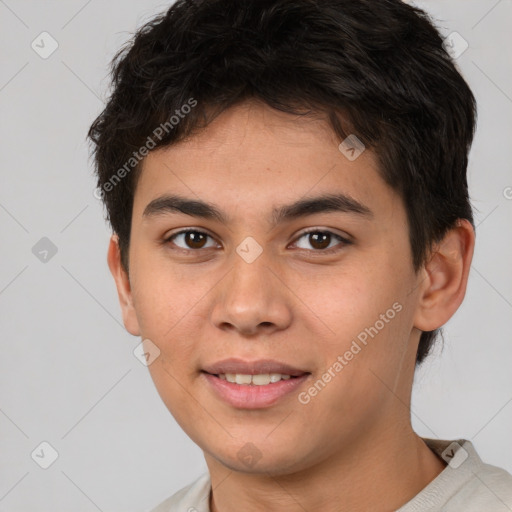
465	485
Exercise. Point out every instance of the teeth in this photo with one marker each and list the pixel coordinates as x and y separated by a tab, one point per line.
276	377
243	379
261	380
256	380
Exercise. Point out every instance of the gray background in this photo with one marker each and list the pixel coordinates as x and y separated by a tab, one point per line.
68	374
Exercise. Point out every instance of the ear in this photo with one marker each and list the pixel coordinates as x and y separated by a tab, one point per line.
444	277
124	291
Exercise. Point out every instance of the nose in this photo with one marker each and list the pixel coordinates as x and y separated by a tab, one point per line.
252	299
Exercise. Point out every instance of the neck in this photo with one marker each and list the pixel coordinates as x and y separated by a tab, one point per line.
383	474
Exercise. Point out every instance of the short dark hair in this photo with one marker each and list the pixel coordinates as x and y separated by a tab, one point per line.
378	70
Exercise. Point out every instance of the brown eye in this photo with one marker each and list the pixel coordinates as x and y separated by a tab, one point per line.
190	239
321	241
195	239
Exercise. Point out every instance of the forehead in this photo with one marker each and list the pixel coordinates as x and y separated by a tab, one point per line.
254	158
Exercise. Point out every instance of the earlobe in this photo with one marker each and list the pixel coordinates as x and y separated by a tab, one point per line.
123	286
445	277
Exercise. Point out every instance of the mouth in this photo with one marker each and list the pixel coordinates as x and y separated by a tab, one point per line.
262	379
253	385
234	366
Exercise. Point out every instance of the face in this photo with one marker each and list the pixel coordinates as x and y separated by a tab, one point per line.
320	297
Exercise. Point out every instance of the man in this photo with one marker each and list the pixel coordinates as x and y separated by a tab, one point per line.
286	183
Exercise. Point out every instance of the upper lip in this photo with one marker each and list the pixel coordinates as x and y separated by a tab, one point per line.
259	367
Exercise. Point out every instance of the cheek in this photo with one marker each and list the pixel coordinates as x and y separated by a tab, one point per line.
168	307
369	314
163	296
347	299
352	390
172	383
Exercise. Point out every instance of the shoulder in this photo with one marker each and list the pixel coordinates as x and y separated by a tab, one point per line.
467	483
192	498
489	489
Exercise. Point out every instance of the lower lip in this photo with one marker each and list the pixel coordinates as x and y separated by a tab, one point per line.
249	396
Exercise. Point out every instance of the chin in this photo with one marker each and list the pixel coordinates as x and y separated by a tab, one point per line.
259	458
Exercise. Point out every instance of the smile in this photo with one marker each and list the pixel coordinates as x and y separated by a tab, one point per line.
243	391
256	380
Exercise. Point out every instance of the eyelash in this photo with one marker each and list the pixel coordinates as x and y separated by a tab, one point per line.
344	241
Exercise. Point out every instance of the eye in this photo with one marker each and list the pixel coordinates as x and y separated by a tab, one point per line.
193	239
321	241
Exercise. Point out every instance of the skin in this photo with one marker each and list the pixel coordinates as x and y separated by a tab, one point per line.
352	446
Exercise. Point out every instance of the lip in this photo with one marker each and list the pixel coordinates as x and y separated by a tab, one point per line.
258	367
248	396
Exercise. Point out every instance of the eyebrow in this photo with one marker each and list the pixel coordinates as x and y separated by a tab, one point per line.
308	206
